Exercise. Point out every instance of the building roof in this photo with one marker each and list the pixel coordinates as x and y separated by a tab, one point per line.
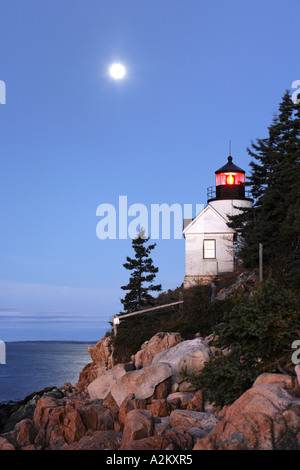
230	167
209	220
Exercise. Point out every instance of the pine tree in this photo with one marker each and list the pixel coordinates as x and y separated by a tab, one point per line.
143	274
274	219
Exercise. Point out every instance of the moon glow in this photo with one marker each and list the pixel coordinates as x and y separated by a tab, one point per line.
117	71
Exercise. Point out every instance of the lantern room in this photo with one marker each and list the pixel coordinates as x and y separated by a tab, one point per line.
230	182
229	178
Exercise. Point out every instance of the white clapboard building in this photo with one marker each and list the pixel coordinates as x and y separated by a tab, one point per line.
209	242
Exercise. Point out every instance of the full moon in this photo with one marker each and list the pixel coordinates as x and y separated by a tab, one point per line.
117	71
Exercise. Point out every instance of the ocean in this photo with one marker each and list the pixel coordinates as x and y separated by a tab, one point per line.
32	366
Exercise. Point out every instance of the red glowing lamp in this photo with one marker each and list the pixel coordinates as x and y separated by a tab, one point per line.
229	178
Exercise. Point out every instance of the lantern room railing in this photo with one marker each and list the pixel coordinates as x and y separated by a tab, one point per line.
212	193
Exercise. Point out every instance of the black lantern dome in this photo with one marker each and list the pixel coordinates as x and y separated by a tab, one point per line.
230	168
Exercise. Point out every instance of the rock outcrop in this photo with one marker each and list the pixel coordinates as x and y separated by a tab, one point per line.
158	343
156	362
128	408
102	360
139	424
141	382
187	419
102	385
186	358
265	417
243	284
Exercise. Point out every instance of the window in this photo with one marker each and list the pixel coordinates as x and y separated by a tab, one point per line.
209	249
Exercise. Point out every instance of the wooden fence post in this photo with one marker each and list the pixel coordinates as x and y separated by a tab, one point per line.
114	325
260	262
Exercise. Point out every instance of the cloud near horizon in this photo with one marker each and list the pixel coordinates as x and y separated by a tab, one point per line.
40	312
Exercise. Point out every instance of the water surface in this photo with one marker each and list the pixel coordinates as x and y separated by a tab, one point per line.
33	366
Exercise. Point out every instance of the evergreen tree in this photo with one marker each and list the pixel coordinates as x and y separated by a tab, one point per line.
274	219
143	274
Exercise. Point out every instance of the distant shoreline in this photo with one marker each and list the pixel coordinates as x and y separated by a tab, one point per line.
53	341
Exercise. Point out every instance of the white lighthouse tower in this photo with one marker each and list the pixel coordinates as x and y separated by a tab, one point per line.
209	242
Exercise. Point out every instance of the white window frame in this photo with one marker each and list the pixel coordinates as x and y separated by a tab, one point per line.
209	253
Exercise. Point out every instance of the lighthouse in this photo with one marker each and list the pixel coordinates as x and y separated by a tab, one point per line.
209	242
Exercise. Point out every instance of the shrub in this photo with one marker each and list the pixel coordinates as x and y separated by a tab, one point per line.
225	378
258	332
198	314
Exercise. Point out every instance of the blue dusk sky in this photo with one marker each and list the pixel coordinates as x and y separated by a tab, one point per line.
200	73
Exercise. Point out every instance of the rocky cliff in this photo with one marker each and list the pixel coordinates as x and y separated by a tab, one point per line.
147	404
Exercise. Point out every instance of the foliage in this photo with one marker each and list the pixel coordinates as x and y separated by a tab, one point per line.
256	333
198	314
225	378
141	279
274	219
